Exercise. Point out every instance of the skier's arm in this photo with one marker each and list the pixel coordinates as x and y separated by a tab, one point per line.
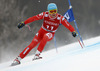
69	27
34	18
31	19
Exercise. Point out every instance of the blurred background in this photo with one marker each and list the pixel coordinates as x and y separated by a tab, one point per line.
14	40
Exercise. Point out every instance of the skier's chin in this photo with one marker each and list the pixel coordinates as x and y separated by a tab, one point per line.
53	15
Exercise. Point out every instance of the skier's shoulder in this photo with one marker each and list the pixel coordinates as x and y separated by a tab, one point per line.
46	12
61	17
43	13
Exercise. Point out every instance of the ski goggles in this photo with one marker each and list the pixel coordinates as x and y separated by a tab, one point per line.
53	11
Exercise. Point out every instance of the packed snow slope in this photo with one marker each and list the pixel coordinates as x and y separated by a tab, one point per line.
69	58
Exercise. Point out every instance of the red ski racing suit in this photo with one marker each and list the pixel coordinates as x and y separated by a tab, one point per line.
47	31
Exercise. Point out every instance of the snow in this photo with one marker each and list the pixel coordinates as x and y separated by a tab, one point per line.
69	58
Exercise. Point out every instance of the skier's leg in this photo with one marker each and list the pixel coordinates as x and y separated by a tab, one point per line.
34	42
38	37
47	37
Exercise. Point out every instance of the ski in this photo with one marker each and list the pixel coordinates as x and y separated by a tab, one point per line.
37	58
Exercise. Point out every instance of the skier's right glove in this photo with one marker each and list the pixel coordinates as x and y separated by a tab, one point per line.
20	25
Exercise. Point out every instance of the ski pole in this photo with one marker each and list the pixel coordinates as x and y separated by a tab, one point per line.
55	43
76	24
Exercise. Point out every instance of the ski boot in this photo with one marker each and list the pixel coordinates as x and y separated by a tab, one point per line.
16	61
37	56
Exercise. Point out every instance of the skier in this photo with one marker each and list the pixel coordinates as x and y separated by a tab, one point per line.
51	21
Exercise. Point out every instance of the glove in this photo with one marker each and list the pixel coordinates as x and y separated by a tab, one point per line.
20	25
74	34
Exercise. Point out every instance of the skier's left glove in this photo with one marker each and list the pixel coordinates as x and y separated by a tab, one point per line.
20	25
74	34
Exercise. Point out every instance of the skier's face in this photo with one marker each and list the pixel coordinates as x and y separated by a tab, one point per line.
53	12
